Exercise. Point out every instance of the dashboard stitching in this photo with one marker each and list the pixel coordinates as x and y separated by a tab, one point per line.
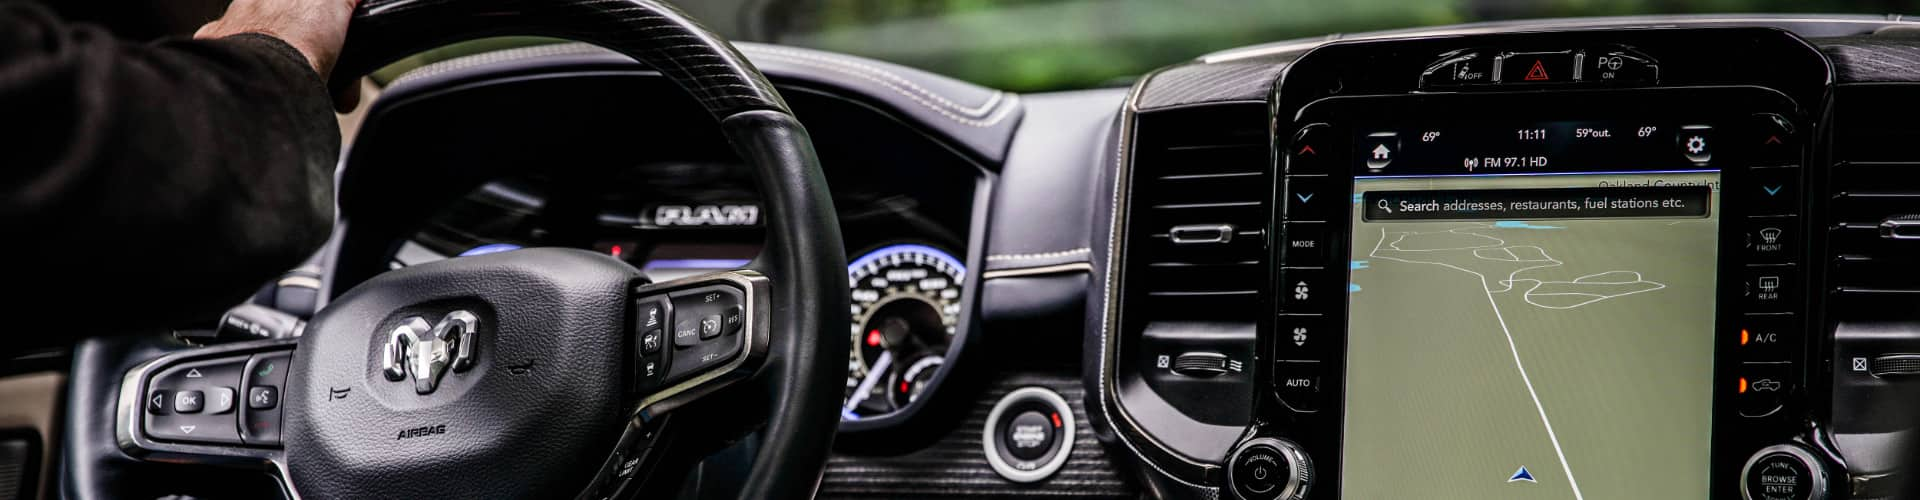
1014	272
1041	255
1106	290
1006	107
982	109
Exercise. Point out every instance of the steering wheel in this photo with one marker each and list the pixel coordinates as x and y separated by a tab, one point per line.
536	372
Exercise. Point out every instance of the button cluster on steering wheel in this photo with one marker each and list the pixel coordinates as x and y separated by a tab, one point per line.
199	401
703	325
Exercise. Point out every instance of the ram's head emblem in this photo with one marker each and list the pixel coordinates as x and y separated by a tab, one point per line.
425	351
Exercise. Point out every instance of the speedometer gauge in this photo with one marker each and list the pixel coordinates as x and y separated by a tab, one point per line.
906	308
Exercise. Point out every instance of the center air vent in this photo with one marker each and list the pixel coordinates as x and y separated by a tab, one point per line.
1196	236
1874	233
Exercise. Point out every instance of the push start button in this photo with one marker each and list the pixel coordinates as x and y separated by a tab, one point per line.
1029	434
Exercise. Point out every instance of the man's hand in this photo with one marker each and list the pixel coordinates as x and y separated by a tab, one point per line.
316	28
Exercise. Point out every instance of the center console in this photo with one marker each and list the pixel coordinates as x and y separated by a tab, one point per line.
1577	264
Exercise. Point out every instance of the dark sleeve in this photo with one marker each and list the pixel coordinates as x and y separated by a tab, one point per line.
151	185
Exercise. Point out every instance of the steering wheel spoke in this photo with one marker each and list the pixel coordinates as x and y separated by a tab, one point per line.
215	406
697	335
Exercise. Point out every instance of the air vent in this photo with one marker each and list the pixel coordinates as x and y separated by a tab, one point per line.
1873	229
1199	210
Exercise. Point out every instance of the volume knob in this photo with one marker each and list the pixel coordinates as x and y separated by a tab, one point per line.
1269	469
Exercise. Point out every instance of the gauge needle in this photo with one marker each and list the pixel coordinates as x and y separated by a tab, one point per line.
879	368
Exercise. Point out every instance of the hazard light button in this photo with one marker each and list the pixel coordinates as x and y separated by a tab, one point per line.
1536	67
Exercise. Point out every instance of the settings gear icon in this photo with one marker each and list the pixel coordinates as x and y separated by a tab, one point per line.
1696	144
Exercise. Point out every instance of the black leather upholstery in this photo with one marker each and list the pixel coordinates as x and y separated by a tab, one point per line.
1043	204
648	31
804	377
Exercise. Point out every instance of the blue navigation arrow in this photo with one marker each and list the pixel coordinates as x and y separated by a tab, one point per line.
1772	190
1303	198
1522	475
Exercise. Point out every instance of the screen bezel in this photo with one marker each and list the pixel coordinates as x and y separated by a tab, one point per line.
1733	437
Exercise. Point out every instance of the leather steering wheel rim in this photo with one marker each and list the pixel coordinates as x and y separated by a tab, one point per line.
804	256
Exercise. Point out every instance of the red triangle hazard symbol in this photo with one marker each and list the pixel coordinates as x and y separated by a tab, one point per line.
1539	71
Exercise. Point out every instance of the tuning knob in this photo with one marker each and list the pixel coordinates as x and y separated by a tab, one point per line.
1784	472
1269	469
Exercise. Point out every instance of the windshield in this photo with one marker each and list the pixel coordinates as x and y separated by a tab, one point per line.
1042	45
1039	45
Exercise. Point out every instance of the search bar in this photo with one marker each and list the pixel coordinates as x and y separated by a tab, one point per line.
1670	202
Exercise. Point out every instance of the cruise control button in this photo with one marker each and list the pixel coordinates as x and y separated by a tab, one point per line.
699	319
709	326
686	333
732	318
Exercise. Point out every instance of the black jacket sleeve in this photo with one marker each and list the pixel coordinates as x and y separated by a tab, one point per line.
147	185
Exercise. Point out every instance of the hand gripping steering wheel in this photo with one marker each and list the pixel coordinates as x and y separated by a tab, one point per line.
539	372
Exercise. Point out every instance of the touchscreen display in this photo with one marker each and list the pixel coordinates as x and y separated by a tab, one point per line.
1531	312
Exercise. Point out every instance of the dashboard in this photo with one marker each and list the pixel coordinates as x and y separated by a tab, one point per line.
1599	258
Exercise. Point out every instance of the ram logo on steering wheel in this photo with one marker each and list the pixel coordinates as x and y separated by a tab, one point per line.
425	351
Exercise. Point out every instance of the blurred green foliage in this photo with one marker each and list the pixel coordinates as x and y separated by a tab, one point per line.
1038	45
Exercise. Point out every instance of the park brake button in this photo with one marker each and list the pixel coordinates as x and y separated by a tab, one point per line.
1618	66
